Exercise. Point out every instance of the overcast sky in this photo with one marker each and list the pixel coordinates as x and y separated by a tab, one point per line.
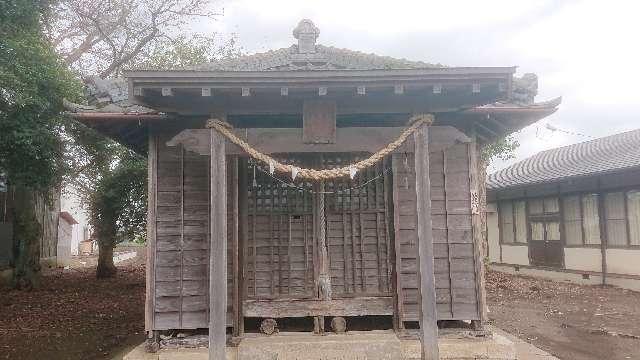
588	52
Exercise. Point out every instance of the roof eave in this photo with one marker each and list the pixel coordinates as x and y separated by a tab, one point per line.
492	191
106	116
190	74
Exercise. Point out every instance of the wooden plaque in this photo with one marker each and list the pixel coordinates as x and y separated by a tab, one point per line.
319	122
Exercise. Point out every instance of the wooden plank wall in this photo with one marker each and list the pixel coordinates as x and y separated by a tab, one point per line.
182	239
455	268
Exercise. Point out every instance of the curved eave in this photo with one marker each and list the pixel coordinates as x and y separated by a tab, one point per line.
128	129
495	121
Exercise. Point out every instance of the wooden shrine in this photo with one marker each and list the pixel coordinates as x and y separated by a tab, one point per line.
237	247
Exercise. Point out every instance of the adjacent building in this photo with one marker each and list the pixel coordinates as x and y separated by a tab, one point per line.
570	213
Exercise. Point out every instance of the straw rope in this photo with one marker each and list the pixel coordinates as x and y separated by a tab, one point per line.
225	129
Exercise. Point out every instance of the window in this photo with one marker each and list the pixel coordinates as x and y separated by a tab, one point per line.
581	221
544	219
633	216
591	219
614	211
553	230
551	206
513	222
520	220
505	210
537	231
536	207
572	216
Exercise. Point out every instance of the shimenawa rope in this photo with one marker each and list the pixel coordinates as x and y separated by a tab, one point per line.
225	129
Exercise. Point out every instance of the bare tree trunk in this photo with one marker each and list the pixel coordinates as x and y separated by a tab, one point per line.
106	267
26	240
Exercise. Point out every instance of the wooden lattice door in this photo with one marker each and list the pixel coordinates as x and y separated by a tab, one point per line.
279	252
358	230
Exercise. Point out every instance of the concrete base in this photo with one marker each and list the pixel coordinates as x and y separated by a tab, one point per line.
365	345
575	277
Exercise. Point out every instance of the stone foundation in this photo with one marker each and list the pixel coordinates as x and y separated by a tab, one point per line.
365	345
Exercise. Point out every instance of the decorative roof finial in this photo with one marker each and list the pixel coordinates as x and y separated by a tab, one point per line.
307	34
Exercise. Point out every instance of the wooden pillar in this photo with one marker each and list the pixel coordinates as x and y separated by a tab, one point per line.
604	238
428	314
324	279
477	232
151	235
235	248
396	163
218	253
243	225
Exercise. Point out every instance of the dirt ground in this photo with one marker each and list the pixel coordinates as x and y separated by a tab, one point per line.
73	315
570	321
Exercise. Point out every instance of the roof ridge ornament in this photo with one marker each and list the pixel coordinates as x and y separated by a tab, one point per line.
307	33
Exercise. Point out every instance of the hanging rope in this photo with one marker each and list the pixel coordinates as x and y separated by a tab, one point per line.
226	129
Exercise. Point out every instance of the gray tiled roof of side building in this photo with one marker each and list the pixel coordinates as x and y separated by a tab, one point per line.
603	155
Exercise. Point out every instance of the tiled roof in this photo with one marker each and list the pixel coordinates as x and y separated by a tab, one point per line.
324	58
603	155
307	55
107	96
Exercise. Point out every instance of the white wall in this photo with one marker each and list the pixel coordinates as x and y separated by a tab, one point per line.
71	204
586	259
65	231
623	261
515	254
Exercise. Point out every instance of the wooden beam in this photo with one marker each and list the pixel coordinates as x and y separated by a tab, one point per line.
178	76
456	97
428	315
487	130
503	128
356	139
151	234
218	253
280	308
